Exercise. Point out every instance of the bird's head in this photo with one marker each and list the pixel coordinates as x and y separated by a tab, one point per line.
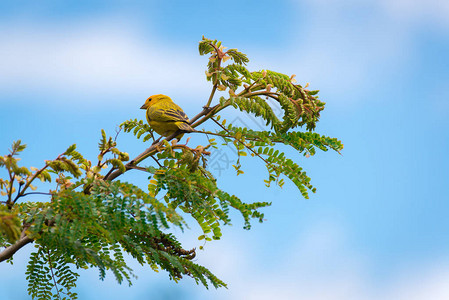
154	99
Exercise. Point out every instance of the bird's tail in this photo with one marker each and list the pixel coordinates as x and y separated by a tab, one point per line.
185	127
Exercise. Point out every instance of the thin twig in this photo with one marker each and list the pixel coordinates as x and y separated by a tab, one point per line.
28	183
36	193
110	171
52	274
157	161
139	168
11	182
207	114
264	93
250	149
117	133
214	88
18	193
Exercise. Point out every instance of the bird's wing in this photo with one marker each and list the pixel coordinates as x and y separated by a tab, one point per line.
168	112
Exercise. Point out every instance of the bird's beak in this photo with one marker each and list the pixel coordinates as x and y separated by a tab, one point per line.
144	106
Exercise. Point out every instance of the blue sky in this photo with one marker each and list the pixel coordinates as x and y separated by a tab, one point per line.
377	228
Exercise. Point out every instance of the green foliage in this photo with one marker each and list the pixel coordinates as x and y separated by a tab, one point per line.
95	230
92	220
10	225
198	195
49	276
300	106
139	128
264	143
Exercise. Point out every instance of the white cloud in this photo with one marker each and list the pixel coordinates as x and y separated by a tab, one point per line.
349	48
426	282
339	47
98	58
417	12
412	12
321	265
103	57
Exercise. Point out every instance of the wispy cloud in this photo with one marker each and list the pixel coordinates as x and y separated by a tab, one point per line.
94	58
419	12
341	47
319	265
349	48
102	56
322	265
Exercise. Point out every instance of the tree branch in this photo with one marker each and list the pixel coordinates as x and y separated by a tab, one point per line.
197	120
8	252
211	95
149	151
139	168
206	113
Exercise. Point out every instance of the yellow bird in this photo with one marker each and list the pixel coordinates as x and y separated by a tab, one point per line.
166	117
